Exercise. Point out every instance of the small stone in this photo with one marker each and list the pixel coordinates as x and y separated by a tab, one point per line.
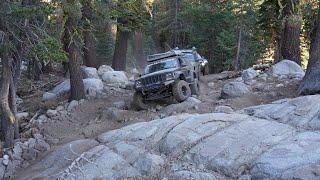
279	85
41	145
73	104
22	116
52	113
158	107
17	151
31	143
29	154
5	160
223	109
211	84
119	105
60	108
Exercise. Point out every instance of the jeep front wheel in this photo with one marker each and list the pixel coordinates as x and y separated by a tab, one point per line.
181	91
195	88
139	102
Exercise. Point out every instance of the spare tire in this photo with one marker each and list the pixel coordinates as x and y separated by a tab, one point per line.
139	102
181	91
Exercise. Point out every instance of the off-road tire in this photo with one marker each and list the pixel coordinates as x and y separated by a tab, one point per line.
181	91
205	70
138	102
195	88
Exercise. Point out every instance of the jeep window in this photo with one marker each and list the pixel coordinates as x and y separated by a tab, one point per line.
162	65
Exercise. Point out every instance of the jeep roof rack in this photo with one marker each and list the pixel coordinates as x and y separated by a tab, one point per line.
159	56
174	52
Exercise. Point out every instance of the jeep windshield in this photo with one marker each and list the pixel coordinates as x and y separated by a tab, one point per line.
161	65
191	57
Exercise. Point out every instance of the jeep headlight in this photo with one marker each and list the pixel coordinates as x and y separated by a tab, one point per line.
138	84
169	76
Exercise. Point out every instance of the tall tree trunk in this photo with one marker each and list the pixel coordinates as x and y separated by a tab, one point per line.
89	49
138	49
8	119
76	82
314	53
120	52
290	46
237	63
311	81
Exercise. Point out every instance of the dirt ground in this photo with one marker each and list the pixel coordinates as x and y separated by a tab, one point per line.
89	120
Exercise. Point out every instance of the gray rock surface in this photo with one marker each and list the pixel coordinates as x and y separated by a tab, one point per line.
72	105
302	112
47	96
22	116
112	77
62	88
99	162
286	68
104	68
50	167
185	174
89	72
295	158
234	89
223	109
262	144
233	150
92	86
149	165
191	102
249	74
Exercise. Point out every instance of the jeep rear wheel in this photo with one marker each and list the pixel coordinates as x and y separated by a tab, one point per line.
138	101
195	88
181	91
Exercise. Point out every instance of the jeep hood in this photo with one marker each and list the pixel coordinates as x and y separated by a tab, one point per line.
159	72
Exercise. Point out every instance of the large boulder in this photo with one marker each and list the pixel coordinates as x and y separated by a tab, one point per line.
234	89
249	74
104	68
89	72
286	68
92	86
191	102
264	144
62	88
114	77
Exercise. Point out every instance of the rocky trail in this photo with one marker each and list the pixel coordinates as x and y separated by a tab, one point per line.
248	125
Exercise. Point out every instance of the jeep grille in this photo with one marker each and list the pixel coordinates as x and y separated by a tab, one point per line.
153	79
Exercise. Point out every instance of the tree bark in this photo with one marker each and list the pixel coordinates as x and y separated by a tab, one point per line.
89	49
314	53
290	42
76	82
237	63
8	120
119	58
138	49
291	39
311	81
